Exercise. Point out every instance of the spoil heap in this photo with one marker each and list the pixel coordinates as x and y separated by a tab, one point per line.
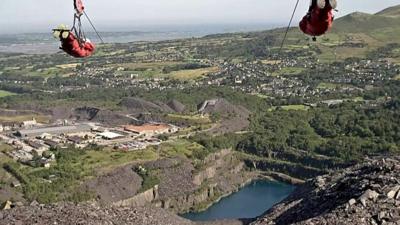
88	214
367	193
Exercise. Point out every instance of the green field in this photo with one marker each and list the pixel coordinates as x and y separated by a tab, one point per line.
191	74
108	159
296	107
179	147
192	119
290	107
5	93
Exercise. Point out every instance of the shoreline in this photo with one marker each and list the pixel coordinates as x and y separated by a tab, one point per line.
260	176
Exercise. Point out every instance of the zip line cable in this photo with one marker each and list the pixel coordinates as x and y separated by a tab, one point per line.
288	27
94	28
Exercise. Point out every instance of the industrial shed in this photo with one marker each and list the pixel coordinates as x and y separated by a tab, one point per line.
31	133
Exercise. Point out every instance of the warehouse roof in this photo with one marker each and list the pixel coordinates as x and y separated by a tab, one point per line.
147	127
110	135
54	130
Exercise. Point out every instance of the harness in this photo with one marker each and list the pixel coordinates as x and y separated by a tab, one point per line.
77	29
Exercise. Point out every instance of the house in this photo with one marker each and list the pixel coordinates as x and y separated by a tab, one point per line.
37	146
51	144
29	123
75	139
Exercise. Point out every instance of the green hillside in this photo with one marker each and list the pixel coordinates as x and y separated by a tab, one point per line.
390	12
363	22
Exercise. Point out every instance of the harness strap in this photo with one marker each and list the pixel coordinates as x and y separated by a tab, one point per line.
77	29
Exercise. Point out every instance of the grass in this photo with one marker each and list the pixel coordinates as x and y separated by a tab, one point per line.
6	93
296	107
192	74
4	148
263	96
45	72
192	119
72	168
68	66
108	159
179	147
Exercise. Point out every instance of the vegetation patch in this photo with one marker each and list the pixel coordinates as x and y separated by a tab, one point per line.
150	178
192	74
190	119
295	107
6	93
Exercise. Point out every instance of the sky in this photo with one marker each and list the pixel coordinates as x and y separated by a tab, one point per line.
18	16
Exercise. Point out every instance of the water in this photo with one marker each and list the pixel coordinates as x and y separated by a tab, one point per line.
251	201
44	43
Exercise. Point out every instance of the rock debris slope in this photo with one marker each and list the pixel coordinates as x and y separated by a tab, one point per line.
87	214
367	193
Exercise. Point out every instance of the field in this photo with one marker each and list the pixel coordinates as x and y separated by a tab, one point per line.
5	93
296	107
192	119
191	74
289	71
108	159
179	147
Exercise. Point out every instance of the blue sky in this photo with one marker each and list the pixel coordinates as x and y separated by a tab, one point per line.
41	15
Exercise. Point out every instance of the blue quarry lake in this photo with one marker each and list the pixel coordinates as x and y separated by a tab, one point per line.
251	201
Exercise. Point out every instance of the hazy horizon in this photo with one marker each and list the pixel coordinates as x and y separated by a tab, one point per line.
29	16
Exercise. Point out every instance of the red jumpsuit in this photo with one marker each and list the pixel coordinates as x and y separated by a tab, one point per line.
318	21
72	46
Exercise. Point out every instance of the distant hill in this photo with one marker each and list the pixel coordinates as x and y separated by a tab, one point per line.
390	12
365	23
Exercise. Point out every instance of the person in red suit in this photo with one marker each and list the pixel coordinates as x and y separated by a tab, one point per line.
75	47
319	18
73	41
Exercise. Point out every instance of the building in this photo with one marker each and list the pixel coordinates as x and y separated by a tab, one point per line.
29	123
37	146
31	133
75	139
51	144
110	135
150	129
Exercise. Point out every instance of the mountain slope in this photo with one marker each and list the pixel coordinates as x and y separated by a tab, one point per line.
390	12
365	23
368	193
